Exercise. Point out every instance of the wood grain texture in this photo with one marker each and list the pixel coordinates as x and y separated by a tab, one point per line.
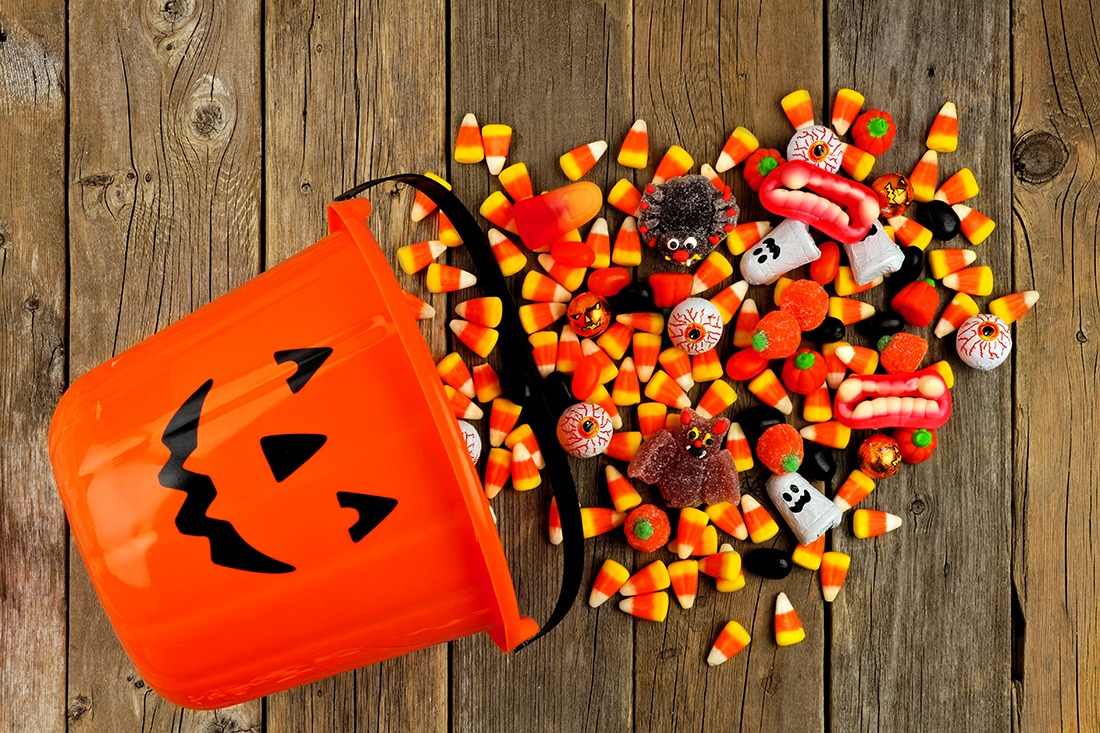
164	209
33	361
1056	197
357	91
917	598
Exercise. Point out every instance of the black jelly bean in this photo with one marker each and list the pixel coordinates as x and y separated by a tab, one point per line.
911	268
559	392
768	562
817	462
755	420
940	219
516	386
886	323
637	297
829	331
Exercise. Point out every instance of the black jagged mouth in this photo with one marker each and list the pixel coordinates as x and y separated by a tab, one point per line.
801	503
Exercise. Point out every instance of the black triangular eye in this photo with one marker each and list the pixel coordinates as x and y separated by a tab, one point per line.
308	361
285	454
372	510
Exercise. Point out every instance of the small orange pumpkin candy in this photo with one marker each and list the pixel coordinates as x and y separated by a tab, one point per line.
916	444
804	371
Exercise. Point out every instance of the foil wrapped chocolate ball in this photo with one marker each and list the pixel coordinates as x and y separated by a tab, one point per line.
879	456
588	314
894	194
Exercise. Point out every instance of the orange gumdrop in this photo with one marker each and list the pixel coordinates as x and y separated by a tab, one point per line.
608	281
823	270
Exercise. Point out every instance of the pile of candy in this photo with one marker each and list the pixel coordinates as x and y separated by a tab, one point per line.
832	224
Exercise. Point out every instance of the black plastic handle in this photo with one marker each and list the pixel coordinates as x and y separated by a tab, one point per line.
537	414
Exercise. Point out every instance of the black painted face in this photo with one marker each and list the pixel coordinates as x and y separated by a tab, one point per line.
766	250
796	497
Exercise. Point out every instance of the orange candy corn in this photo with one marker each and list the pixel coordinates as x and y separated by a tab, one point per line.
478	339
601	397
597	520
646	347
454	372
728	586
648	322
447	232
909	232
537	316
716	400
707	545
625	197
706	367
651	417
957	188
922	181
422	205
976	226
738	445
818	406
678	365
544	350
728	517
760	524
833	434
721	565
624	446
497	209
849	311
498	470
746	235
676	162
809	556
943	137
502	419
713	270
608	370
517	182
859	359
525	435
1010	307
628	244
627	390
525	475
961	307
746	324
712	175
555	523
486	383
684	576
507	254
580	160
623	494
468	145
651	606
600	244
569	350
972	280
421	311
856	162
845	282
868	523
689	531
767	387
854	489
834	569
652	577
837	369
415	257
799	109
544	289
461	405
482	311
729	300
615	340
447	279
570	278
609	580
788	629
495	140
943	262
846	109
732	639
740	145
635	150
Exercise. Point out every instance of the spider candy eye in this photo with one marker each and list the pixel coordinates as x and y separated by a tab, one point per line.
818	145
584	430
690	243
695	325
983	342
674	244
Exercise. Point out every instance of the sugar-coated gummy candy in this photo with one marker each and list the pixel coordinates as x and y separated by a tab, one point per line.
670	288
807	302
768	562
902	352
818	463
940	219
879	456
695	325
983	342
894	194
780	449
647	528
584	430
806	510
776	335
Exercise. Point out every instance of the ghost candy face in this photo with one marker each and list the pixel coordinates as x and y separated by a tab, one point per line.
808	513
874	255
786	247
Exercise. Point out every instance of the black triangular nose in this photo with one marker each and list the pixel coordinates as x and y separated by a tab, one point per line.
372	510
285	454
308	361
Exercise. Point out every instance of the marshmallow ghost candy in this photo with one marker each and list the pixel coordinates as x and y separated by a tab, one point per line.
806	510
786	247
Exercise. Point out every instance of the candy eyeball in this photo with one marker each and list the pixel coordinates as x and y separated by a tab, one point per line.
584	430
818	145
983	342
472	438
695	325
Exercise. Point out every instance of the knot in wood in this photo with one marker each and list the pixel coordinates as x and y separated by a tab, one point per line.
208	120
78	706
32	303
917	507
175	12
1038	157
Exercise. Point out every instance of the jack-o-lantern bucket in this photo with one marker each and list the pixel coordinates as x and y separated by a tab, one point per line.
254	487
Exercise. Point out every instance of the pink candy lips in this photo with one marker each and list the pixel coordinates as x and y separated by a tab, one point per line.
837	207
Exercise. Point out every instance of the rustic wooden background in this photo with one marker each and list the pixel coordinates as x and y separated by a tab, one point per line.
153	155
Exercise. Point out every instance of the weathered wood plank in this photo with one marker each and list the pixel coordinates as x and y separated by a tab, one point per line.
922	629
356	91
700	71
561	78
1056	196
33	361
164	191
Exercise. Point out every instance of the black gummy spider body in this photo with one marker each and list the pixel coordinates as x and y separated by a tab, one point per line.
686	217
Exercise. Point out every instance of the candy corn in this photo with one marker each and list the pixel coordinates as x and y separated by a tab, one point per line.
447	232
555	523
569	350
760	524
689	531
846	109
517	182
746	324
684	576
652	577
507	254
461	405
740	145
646	347
627	390
909	232
486	383
859	359
834	569
495	140
625	197
597	520
502	419
525	475
833	434
415	257
922	181
624	446
544	350
497	209
570	278
623	494
706	367
732	639
1010	307
478	339
422	205
628	244
837	369
537	316
676	162
961	307
972	280
854	490
728	586
726	515
468	145
648	322
845	282
615	340
818	406
712	175
678	365
544	289
729	300
943	137
580	160
943	262
777	291
721	565
738	445
482	311
525	435
716	400
651	606
799	109
635	150
498	470
809	556
870	523
788	629
420	310
713	270
454	372
856	162
767	387
746	235
707	545
600	243
609	580
976	226
849	311
959	187
447	279
608	370
601	397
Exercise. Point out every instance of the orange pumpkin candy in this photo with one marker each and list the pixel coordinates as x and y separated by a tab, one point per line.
804	371
916	444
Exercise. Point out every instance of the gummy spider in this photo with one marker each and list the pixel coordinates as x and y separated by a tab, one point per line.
686	217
